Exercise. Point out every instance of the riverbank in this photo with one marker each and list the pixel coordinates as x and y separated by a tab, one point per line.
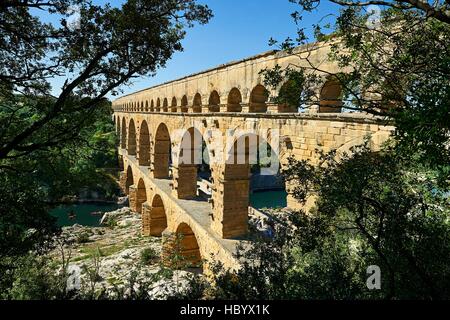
114	260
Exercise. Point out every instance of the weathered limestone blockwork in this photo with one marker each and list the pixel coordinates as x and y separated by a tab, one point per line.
219	104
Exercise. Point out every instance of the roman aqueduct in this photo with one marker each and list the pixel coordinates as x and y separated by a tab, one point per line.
229	103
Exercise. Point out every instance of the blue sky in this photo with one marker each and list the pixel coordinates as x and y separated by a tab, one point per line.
239	29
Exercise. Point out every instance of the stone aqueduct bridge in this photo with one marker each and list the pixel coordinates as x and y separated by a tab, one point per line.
224	100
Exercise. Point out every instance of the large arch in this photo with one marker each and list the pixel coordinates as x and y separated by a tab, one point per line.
249	155
197	103
234	101
162	149
123	136
331	97
184	104
258	99
154	217
117	122
144	145
214	102
131	146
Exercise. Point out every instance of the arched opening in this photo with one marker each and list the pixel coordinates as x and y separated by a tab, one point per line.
234	101
289	97
173	106
331	97
123	136
197	103
154	218
214	102
186	246
162	154
184	104
258	99
158	105
141	195
152	106
192	173
165	105
253	167
144	145
129	180
131	148
146	106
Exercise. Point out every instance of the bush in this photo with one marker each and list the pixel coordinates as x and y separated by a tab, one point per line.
83	238
148	256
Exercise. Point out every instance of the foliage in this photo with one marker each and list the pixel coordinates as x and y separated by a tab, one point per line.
148	256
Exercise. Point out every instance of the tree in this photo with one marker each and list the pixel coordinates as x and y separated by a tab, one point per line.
387	208
104	51
52	140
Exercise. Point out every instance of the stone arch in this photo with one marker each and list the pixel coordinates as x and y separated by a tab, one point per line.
184	104
154	217
162	150
123	136
197	103
234	101
158	105
165	105
173	105
189	159
214	102
141	196
331	96
144	145
187	247
287	94
129	181
146	106
152	106
131	146
258	99
231	204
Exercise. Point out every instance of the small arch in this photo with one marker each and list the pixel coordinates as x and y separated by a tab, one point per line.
144	145
131	147
165	105
184	104
258	99
129	180
234	101
146	106
214	102
152	106
331	96
173	106
141	195
289	97
197	103
158	105
154	218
